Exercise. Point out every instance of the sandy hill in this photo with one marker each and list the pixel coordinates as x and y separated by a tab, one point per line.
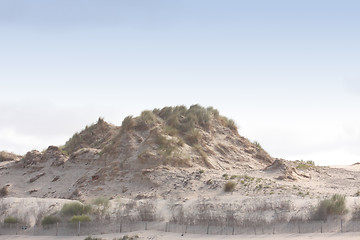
106	159
174	154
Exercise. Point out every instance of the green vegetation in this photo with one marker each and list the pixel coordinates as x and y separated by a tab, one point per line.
258	145
72	144
49	220
101	203
229	186
76	208
127	124
92	238
305	165
334	206
80	218
192	137
203	155
181	120
166	146
231	125
10	220
126	237
146	120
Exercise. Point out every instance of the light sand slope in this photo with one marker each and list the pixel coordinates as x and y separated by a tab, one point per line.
154	235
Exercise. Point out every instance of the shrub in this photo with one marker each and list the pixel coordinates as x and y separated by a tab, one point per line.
229	186
49	220
10	220
76	208
80	218
334	206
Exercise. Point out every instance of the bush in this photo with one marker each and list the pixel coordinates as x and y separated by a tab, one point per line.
334	206
76	208
229	186
80	218
49	220
10	220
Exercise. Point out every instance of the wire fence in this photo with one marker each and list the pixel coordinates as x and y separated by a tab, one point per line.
96	227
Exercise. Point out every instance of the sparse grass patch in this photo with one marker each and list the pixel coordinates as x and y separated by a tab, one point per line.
192	137
169	130
127	124
232	125
167	146
229	186
305	165
10	220
258	145
146	120
72	144
126	237
92	238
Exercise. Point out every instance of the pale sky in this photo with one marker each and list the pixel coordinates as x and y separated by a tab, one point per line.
287	72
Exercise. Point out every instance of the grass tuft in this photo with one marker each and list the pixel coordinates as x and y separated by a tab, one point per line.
229	186
10	220
334	206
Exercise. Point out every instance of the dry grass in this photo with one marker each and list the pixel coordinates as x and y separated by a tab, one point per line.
127	124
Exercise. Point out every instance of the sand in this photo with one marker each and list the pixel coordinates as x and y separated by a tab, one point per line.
155	235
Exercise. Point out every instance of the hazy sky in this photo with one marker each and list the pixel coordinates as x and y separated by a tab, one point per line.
288	72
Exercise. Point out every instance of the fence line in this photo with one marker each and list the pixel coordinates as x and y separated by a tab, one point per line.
91	228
